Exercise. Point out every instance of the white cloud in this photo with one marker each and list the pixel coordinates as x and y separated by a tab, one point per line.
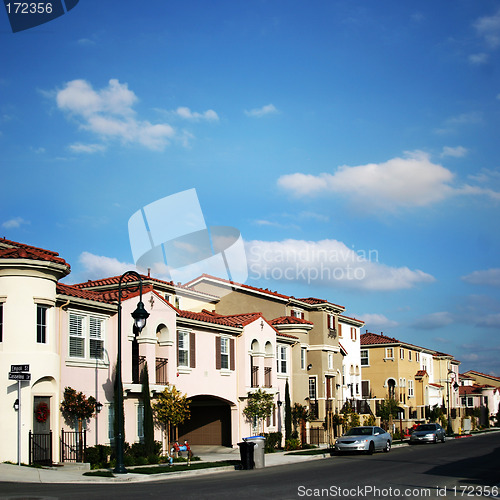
260	112
97	266
434	320
488	27
479	59
400	182
14	223
457	152
490	277
87	148
328	263
109	114
377	321
209	115
453	122
412	181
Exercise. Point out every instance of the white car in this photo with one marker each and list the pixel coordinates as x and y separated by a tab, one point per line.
367	438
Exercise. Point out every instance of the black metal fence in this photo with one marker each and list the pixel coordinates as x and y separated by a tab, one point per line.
317	435
40	448
161	371
73	446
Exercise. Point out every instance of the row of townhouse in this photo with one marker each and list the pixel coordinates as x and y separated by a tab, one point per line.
214	346
420	378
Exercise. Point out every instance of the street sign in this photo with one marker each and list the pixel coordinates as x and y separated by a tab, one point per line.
19	368
19	376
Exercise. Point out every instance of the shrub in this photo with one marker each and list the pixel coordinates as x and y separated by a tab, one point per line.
292	444
273	441
98	456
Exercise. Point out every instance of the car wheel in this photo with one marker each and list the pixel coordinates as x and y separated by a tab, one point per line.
435	439
387	447
444	439
371	448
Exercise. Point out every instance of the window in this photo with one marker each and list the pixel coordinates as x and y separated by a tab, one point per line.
224	353
365	388
389	353
340	330
111	423
330	361
417	357
353	334
303	352
312	388
296	313
183	348
410	388
331	322
401	353
140	422
409	355
357	388
281	358
86	336
364	357
1	322
41	324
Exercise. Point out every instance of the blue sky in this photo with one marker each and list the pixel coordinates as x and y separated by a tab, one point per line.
339	137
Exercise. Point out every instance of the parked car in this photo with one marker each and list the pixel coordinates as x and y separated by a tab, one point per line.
366	438
428	433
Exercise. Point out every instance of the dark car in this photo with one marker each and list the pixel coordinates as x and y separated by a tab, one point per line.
367	438
428	433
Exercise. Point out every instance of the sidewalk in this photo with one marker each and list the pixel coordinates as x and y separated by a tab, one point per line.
73	473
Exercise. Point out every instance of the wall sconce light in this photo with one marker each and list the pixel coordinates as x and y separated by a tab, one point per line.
337	386
309	366
98	407
16	405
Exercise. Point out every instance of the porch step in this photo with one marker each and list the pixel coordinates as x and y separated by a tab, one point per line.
70	466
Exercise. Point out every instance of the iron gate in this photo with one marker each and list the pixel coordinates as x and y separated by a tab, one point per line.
73	446
40	449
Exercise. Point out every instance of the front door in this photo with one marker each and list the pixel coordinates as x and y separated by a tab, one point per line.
41	440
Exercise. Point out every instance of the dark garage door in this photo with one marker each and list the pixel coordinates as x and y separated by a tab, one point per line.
210	423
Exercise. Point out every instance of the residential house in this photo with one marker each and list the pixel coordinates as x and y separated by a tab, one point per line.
417	377
325	373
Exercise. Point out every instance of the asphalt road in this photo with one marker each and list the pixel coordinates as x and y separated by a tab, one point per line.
461	468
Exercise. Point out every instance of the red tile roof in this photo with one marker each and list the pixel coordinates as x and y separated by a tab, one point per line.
482	374
280	334
421	373
290	320
435	385
72	291
374	338
206	318
309	300
13	250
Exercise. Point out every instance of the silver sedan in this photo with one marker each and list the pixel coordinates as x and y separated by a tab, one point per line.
366	438
428	433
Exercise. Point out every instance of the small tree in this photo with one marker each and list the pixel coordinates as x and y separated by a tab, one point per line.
300	415
387	410
149	439
170	410
259	406
76	407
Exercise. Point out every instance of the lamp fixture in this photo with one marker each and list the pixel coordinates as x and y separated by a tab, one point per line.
16	405
309	366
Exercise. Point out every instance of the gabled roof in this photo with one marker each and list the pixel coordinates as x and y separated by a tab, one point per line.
290	320
306	301
113	281
71	291
13	250
475	372
374	338
421	373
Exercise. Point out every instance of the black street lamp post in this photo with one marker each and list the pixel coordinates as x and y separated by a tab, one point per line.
140	316
450	380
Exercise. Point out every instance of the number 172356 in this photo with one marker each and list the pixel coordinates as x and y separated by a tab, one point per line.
29	8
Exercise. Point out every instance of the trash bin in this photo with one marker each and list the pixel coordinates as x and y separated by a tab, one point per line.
258	451
246	455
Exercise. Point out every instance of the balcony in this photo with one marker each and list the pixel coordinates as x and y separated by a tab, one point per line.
161	371
255	376
268	377
137	366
